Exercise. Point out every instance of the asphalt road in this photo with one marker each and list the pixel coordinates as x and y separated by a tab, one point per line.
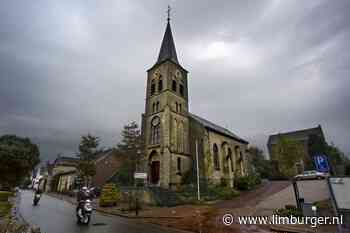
56	216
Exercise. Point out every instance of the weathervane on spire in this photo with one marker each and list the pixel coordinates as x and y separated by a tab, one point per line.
168	11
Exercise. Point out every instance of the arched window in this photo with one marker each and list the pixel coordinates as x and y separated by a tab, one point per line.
216	157
154	107
157	106
174	131
179	164
153	88
174	85
177	107
180	110
155	130
181	89
180	137
229	155
160	85
237	152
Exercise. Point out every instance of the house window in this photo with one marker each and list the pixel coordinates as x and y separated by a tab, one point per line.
174	85
160	85
216	157
153	88
155	130
181	89
179	164
229	155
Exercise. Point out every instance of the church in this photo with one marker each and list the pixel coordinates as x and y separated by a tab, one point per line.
174	137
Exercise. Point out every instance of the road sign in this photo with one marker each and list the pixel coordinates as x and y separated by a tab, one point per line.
321	163
140	175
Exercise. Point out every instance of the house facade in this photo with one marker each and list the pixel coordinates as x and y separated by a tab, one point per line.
302	137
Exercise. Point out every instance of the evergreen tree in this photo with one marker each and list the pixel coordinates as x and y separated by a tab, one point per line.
87	154
132	147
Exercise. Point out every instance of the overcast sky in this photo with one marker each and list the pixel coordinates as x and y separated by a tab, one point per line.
257	67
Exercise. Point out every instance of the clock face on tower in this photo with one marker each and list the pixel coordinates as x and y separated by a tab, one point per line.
156	74
155	121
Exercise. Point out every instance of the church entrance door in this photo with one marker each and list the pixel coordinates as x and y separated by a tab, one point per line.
155	166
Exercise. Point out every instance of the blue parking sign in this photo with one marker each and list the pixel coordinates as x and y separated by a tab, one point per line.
321	163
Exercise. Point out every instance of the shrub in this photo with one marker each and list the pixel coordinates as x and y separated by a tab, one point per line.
247	182
221	192
243	183
289	210
110	195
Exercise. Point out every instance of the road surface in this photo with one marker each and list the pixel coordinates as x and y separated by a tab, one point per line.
56	216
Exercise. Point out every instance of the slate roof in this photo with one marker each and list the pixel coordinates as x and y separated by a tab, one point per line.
167	49
217	128
300	135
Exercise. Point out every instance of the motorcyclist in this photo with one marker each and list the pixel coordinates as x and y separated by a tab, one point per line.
38	190
83	194
39	186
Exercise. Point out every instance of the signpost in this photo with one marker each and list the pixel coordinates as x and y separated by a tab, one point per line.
197	163
321	163
140	176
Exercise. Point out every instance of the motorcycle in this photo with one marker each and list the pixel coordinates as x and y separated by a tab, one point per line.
84	208
36	199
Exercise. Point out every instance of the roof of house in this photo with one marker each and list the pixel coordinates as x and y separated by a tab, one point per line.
299	135
66	160
67	173
217	128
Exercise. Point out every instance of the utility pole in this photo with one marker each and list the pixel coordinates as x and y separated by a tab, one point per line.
197	162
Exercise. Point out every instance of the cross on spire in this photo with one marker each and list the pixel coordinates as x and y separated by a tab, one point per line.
168	11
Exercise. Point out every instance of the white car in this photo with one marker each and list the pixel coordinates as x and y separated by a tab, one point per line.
311	175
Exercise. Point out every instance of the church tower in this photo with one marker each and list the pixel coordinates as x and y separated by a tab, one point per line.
165	123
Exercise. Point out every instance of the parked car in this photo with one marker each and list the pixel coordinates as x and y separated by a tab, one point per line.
311	175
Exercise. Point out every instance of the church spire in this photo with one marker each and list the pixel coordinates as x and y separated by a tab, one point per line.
167	49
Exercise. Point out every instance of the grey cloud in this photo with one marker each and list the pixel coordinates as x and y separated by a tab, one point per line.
69	68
